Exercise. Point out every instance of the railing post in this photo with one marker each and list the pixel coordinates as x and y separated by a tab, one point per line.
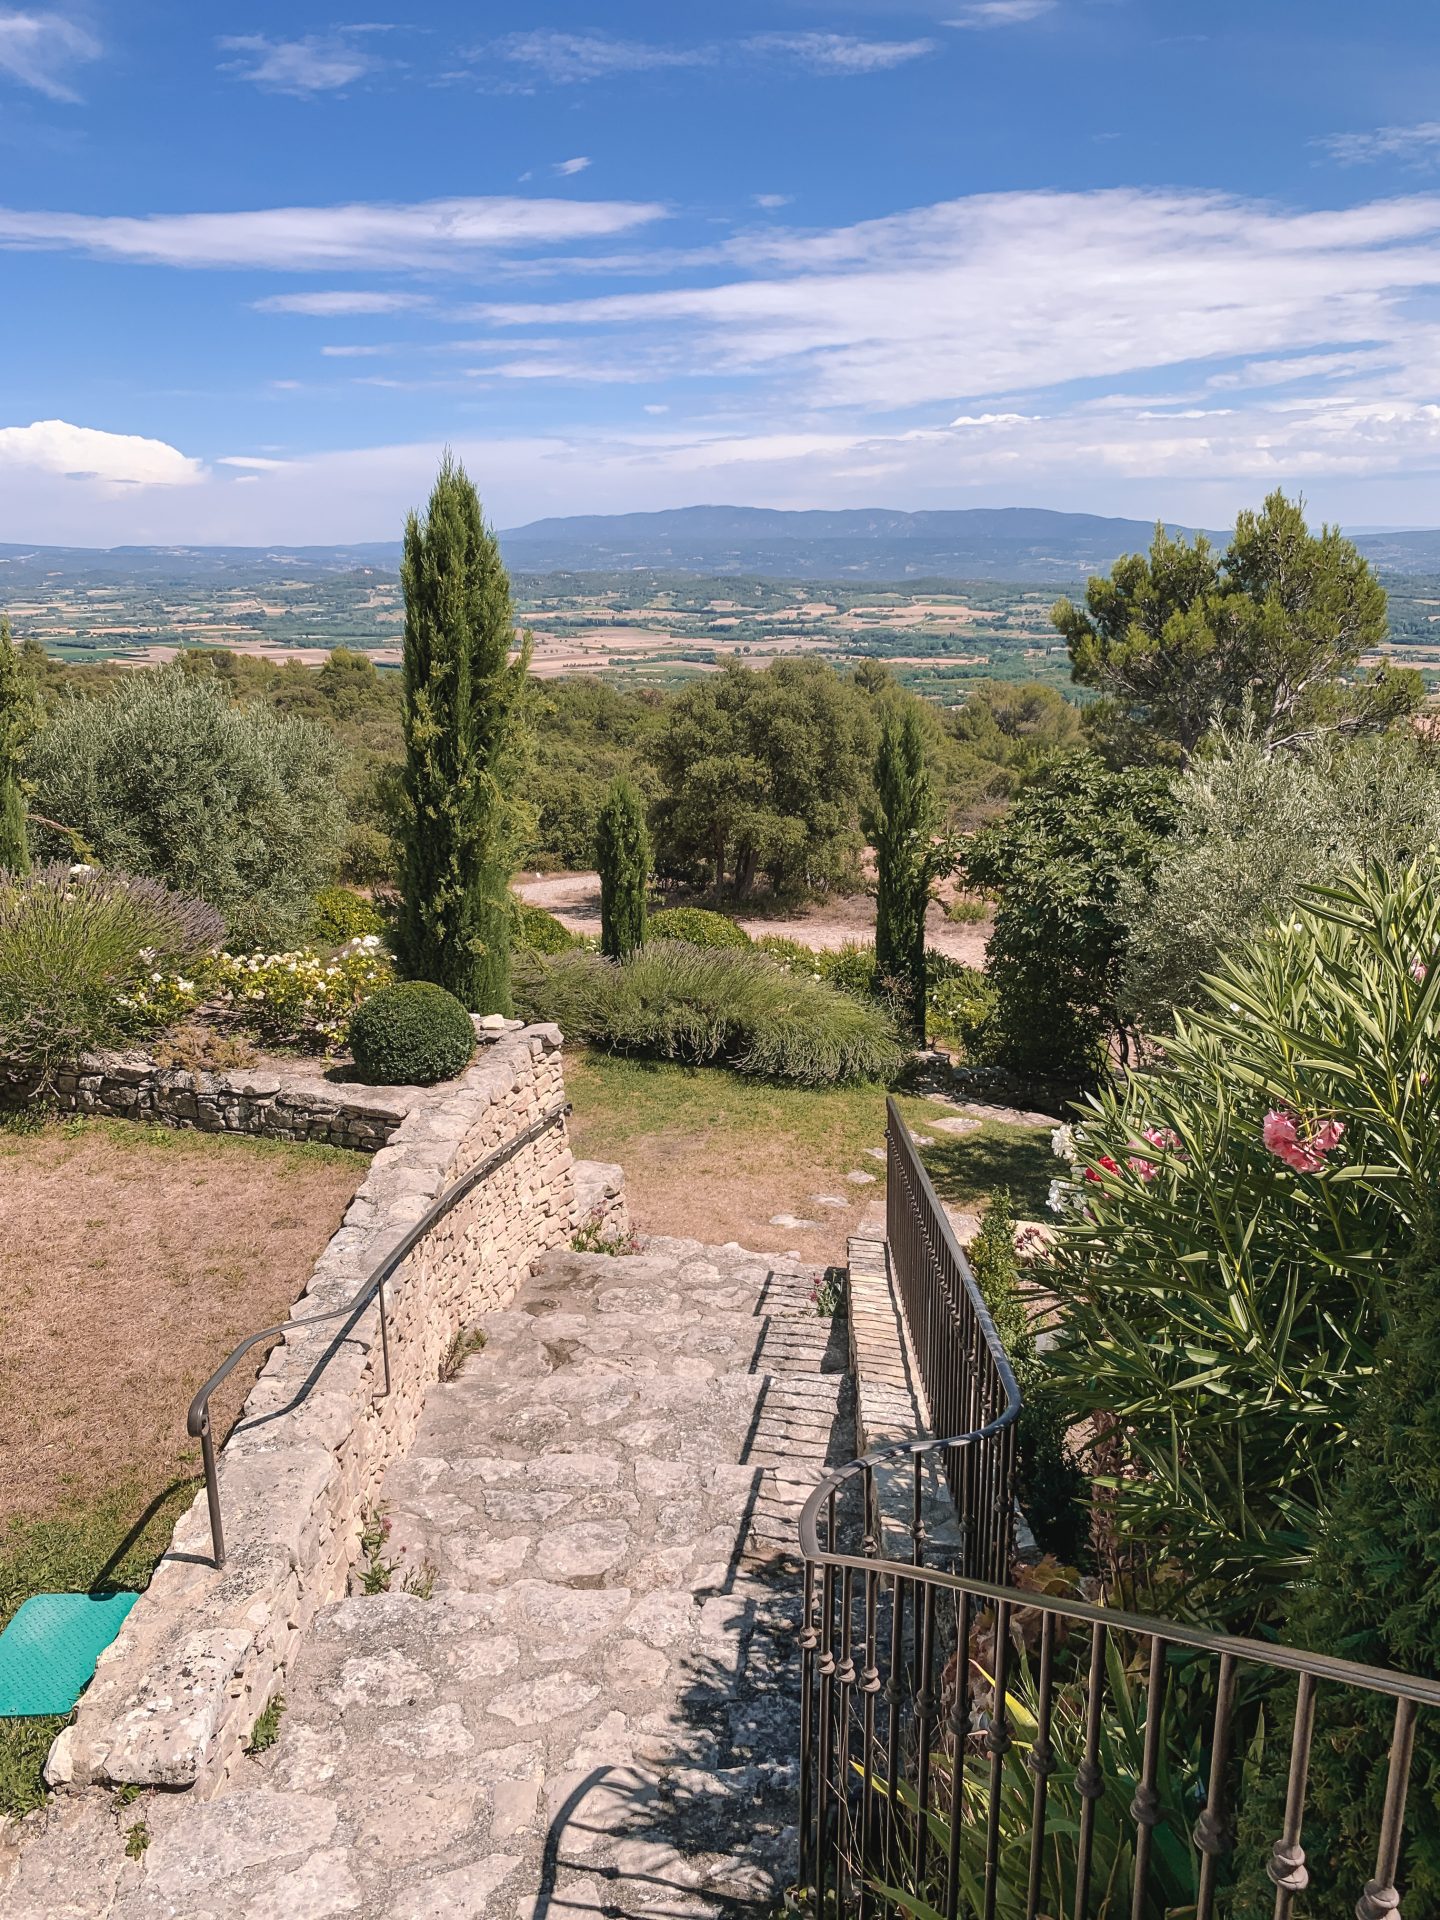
212	1489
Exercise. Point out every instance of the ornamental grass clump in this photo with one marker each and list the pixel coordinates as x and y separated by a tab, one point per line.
1236	1216
735	1008
78	948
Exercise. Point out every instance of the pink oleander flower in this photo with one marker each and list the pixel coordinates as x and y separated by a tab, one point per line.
1418	970
1165	1138
1145	1169
1281	1135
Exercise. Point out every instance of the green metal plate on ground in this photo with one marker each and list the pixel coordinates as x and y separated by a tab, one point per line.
48	1651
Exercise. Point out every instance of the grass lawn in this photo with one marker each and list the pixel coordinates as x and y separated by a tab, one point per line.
713	1155
135	1258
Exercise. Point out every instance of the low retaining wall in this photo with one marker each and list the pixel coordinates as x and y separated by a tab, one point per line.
203	1651
289	1101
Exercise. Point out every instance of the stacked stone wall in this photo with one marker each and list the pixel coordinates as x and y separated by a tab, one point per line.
205	1650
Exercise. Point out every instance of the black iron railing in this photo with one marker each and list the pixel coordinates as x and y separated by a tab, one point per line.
969	1385
971	1749
198	1419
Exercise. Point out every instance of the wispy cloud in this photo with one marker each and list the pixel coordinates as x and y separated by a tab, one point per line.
330	305
577	165
315	64
1001	13
39	50
443	234
770	202
838	52
569	59
1417	146
86	453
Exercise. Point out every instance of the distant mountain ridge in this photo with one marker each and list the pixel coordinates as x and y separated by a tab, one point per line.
1014	545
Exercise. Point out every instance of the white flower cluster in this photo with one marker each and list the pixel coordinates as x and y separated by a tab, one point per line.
1063	1197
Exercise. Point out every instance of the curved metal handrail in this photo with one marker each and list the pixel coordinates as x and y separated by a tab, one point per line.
197	1421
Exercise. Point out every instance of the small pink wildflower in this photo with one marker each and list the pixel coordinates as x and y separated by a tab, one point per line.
1282	1138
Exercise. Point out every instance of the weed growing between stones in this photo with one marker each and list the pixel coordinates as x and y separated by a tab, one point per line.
463	1343
827	1296
376	1572
420	1581
595	1237
137	1839
266	1730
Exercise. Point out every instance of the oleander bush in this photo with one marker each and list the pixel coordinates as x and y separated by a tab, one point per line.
697	927
411	1034
674	1001
79	946
1235	1219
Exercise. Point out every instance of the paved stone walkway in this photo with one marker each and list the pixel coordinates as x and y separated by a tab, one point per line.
594	1711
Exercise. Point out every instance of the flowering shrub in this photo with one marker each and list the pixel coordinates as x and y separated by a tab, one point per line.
301	997
1233	1217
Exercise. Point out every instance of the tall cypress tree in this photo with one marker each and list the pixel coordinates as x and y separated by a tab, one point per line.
901	826
18	716
462	739
623	856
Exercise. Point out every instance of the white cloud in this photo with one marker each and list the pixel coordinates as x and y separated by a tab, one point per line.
433	233
261	463
569	59
314	64
87	453
838	52
38	50
356	352
769	202
1009	293
1001	13
577	165
1417	146
328	305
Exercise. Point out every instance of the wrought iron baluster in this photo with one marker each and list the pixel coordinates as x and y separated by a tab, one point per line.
825	1667
1286	1865
1145	1807
809	1641
1211	1834
869	1688
895	1700
997	1745
927	1707
1381	1898
1041	1762
959	1737
1089	1780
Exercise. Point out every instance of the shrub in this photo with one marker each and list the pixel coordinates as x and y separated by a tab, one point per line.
342	915
622	853
1050	1485
678	1002
77	949
411	1034
696	928
1236	1216
901	824
537	931
962	1008
302	998
1251	829
166	776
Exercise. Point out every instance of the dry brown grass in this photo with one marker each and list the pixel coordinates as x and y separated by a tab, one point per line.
133	1260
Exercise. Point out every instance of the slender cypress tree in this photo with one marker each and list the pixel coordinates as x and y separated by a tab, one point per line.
623	856
17	723
901	826
461	721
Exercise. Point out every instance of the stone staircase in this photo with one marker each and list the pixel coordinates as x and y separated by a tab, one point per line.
579	1691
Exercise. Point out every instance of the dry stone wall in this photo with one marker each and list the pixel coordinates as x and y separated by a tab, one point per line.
204	1650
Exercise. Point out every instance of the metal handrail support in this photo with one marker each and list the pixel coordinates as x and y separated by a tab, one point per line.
197	1421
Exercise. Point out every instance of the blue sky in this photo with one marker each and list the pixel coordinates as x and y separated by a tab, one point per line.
258	263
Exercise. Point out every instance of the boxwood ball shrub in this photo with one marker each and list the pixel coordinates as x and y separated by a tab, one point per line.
537	931
411	1035
696	927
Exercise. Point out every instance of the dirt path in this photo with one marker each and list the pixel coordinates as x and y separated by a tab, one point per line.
574	899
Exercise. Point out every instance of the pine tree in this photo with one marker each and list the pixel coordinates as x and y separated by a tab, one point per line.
623	856
901	826
18	716
461	716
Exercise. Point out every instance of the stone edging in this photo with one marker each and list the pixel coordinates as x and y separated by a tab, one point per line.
203	1651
